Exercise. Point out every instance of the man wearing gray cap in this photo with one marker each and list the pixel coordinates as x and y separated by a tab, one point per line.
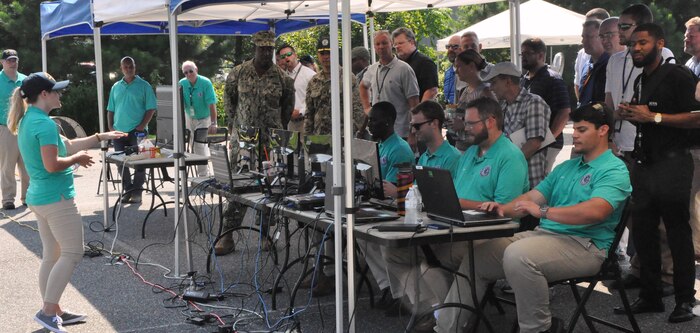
526	116
360	61
257	94
10	158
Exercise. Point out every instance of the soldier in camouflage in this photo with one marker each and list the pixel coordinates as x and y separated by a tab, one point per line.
318	96
257	94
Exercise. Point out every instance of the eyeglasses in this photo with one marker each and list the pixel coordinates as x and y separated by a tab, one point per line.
417	126
285	55
470	124
608	35
452	46
625	26
188	71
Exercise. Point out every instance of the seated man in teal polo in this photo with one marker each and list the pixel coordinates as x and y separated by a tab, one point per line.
579	204
492	169
393	150
427	119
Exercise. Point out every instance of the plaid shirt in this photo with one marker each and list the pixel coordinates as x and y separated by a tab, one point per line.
531	112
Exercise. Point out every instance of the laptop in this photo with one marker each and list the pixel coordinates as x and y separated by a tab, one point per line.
223	175
363	215
441	203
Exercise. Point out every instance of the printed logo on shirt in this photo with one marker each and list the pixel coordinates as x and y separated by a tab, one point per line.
200	94
485	171
383	160
586	179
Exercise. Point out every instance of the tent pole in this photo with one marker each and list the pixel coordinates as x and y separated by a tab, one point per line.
99	78
337	165
371	39
348	132
44	60
515	32
365	40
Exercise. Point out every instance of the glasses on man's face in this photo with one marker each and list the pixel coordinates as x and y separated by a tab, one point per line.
417	126
625	26
188	71
608	35
452	46
470	124
285	55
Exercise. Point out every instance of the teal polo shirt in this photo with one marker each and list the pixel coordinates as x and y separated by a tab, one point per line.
394	150
576	181
129	103
445	157
7	86
197	97
499	175
36	130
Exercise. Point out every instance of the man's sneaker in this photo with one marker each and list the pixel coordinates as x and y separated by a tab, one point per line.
135	198
51	323
8	206
72	318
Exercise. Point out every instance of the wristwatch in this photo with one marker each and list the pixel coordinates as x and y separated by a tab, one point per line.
657	118
543	211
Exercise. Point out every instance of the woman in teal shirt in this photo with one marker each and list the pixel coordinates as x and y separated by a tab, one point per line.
48	158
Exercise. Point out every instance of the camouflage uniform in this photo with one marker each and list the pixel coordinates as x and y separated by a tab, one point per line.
263	101
318	104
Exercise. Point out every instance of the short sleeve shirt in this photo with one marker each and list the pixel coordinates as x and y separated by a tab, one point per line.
575	181
36	129
395	83
7	86
197	97
499	175
392	151
549	85
425	70
445	157
129	103
302	76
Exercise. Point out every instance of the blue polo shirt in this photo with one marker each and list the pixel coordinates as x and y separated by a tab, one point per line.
576	181
36	129
197	97
445	157
394	150
129	103
7	86
499	175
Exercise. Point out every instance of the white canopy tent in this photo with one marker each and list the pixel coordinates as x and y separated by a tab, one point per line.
553	24
194	10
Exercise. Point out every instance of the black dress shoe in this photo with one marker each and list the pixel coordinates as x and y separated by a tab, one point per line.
641	306
682	312
557	326
386	299
629	281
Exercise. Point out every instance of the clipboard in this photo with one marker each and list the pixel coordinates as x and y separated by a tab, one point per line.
518	138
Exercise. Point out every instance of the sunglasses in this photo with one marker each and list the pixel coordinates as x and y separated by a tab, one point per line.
189	71
284	55
452	46
417	126
625	26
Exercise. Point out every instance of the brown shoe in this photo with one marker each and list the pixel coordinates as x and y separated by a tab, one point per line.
225	245
324	285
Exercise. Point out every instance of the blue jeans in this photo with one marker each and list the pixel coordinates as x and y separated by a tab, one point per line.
139	174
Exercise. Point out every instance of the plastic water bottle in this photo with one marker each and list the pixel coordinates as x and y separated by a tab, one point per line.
140	136
412	206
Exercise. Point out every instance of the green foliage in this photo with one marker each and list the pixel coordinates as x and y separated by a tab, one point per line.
80	103
220	112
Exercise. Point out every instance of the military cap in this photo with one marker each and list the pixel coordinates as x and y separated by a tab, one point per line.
264	38
324	44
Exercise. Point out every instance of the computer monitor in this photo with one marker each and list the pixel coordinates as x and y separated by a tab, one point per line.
365	155
284	142
248	140
318	148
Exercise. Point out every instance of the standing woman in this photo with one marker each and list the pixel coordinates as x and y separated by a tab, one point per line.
48	158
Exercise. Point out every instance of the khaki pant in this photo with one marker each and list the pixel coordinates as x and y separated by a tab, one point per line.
296	126
373	257
61	232
199	148
9	159
528	260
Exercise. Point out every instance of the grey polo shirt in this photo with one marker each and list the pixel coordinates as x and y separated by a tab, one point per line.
395	83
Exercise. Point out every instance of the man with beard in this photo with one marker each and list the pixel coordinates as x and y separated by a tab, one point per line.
579	205
662	173
619	88
548	84
257	94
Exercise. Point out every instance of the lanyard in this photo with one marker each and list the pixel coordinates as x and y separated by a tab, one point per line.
376	77
625	81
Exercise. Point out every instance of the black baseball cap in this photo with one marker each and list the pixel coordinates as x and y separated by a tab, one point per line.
324	44
37	82
9	53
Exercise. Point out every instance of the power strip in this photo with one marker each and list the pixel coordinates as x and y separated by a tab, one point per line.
196	296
